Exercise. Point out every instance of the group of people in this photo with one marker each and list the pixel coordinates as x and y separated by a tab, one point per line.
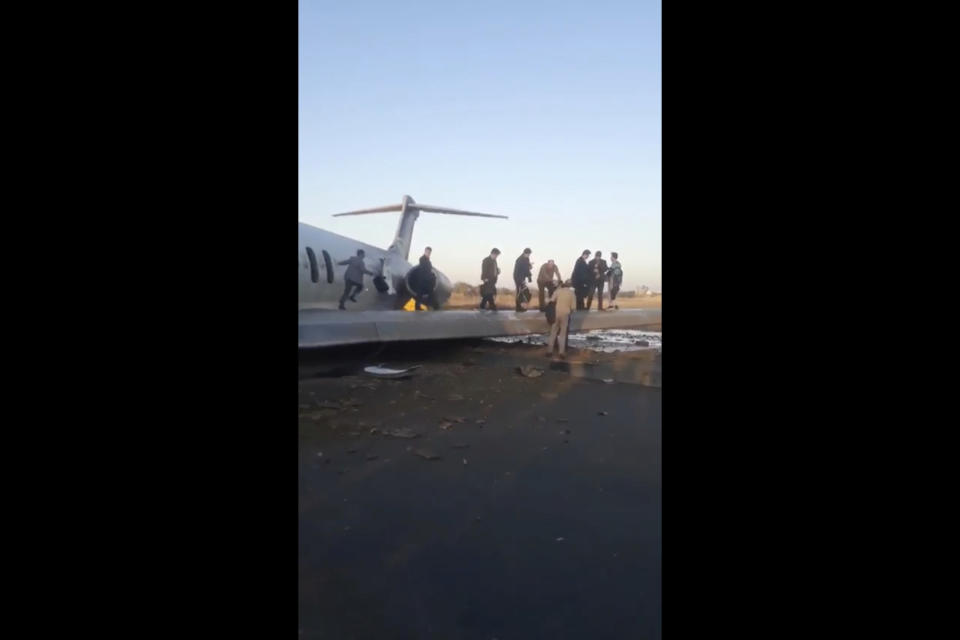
588	279
565	297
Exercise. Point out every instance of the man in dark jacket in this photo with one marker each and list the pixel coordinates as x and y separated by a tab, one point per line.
598	275
522	271
423	282
489	271
353	278
581	278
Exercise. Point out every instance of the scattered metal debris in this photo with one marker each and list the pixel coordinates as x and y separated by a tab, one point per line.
384	372
608	380
445	425
529	371
425	454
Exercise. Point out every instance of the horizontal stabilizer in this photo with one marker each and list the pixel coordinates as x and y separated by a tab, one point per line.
456	212
386	209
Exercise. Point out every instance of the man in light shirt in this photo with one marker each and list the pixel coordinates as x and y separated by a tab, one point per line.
566	302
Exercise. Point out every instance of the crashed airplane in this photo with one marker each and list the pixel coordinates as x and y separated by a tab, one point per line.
379	316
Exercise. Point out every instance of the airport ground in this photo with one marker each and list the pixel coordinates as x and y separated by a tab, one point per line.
524	507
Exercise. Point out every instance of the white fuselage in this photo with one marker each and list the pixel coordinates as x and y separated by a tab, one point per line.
321	282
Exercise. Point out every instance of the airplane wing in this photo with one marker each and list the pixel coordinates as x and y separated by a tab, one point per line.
322	328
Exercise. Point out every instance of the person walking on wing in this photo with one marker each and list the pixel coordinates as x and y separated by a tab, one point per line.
353	278
598	274
522	271
423	283
616	278
565	303
489	271
581	278
549	273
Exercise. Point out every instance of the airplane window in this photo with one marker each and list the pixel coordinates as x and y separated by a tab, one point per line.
329	263
314	272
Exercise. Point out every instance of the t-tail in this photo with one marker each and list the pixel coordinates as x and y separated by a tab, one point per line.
409	212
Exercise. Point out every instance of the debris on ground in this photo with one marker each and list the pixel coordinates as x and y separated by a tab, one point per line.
419	394
608	380
560	539
401	433
602	413
319	454
529	371
464	461
457	420
642	343
384	372
374	431
425	454
481	421
455	397
445	425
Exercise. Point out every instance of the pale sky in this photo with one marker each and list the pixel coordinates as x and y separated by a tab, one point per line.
548	112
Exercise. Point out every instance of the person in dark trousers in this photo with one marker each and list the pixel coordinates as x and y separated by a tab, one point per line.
353	278
548	278
581	279
522	271
615	275
489	271
598	275
423	283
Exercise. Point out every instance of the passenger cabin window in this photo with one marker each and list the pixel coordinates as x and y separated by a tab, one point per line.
314	271
329	263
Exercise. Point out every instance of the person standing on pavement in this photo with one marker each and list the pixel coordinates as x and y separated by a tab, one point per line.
565	304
